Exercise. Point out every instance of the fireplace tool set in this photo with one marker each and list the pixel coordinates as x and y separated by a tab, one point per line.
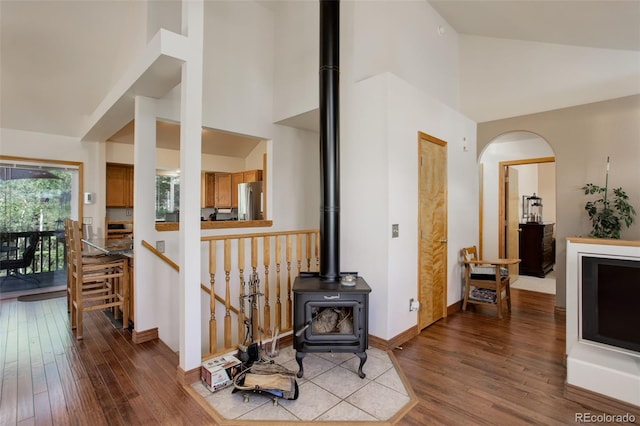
259	374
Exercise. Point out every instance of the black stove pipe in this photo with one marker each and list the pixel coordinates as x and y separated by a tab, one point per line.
329	140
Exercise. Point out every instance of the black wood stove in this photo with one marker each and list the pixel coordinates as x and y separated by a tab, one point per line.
330	317
330	311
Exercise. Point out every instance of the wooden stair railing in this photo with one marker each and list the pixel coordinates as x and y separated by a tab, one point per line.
266	255
222	249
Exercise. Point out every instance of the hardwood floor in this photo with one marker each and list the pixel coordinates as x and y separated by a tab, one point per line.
48	377
467	369
474	369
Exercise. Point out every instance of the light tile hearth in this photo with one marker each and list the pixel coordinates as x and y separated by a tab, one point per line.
330	390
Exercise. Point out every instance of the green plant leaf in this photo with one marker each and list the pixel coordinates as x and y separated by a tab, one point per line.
609	213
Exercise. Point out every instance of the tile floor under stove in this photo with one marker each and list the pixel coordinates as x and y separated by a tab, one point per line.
330	390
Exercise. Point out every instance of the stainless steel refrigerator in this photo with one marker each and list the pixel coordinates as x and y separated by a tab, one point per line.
250	201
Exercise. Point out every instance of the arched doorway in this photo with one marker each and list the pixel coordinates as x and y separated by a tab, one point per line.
515	165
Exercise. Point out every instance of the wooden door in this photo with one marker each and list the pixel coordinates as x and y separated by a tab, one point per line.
513	219
432	230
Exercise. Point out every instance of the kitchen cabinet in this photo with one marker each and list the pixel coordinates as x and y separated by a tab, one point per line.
242	177
208	190
119	191
536	249
223	190
252	176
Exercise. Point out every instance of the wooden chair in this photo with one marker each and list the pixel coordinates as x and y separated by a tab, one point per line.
96	282
70	259
486	282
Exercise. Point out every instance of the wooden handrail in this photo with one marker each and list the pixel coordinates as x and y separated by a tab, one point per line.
256	235
161	256
218	298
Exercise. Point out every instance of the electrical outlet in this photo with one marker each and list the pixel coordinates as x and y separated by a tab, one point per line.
128	212
160	246
395	232
87	221
414	305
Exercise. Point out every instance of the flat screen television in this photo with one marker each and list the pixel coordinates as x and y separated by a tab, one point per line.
611	301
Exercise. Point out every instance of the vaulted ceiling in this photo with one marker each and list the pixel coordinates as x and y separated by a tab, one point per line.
57	56
606	24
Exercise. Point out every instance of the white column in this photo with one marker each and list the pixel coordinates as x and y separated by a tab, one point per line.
190	168
144	189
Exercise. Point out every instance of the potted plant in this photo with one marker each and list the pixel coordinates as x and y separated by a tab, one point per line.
608	213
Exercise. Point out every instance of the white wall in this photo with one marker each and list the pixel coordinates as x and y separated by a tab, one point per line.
399	77
402	37
296	58
492	155
380	187
238	68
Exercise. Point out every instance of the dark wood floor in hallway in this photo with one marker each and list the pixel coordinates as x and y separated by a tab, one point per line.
467	369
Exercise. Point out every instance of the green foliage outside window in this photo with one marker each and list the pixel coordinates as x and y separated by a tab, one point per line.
167	195
35	204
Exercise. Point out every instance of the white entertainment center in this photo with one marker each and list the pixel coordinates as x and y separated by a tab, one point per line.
598	367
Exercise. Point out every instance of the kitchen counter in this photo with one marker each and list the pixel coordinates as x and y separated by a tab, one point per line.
110	246
217	224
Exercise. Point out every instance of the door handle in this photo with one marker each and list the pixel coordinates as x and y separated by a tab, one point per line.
443	240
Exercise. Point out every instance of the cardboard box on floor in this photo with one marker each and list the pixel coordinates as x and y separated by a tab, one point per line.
218	373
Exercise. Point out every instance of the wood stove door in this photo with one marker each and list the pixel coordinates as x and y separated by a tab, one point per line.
432	262
333	321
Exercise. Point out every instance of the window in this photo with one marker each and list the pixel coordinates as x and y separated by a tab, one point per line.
167	198
34	198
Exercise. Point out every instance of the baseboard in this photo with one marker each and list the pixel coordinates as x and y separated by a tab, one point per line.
188	377
144	336
398	340
394	342
586	398
454	308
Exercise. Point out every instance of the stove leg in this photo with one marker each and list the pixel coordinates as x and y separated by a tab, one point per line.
299	356
363	359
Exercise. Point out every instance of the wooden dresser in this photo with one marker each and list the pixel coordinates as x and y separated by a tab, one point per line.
536	249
